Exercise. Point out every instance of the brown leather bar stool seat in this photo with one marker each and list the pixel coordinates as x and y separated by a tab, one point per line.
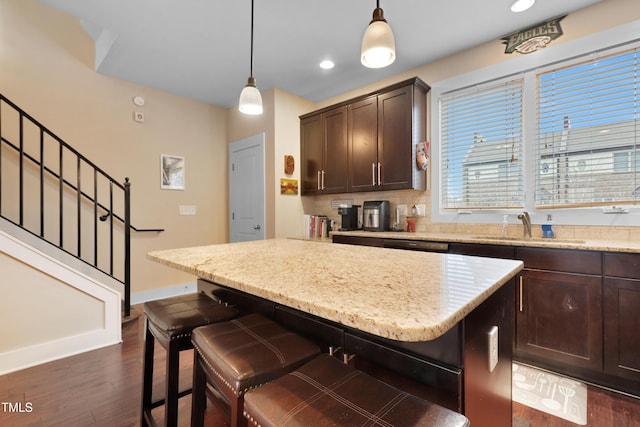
170	321
241	354
326	392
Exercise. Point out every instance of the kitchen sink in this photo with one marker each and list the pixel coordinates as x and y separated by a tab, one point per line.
530	239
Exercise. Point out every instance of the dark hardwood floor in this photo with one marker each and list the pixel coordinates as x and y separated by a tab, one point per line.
103	388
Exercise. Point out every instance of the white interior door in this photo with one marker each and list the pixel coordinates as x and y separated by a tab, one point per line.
247	189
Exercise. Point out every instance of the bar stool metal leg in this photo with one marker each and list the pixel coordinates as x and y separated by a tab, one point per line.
147	385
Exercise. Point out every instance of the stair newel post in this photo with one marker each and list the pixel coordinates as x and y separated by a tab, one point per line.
127	247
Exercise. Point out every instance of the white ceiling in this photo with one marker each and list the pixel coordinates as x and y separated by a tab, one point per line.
200	48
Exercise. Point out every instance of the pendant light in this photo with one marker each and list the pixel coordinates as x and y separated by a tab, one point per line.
250	98
378	44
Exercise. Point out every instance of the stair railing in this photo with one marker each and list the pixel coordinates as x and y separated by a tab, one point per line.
52	174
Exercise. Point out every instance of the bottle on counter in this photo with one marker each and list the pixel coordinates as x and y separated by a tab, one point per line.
505	226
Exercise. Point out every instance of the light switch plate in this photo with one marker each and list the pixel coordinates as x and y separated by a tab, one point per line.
187	210
492	338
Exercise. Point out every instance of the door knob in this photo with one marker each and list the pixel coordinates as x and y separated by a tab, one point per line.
256	227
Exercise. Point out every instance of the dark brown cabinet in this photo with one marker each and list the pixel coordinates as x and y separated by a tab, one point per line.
622	315
367	143
323	149
559	318
311	153
400	128
559	307
363	145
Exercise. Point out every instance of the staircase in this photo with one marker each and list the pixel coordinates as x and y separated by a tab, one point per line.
62	220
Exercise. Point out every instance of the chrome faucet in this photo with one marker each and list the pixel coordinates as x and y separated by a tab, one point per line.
526	222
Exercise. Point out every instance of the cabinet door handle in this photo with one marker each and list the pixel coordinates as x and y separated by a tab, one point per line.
521	297
323	180
318	180
373	174
379	180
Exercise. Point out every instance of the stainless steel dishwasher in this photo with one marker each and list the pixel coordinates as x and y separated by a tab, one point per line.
415	245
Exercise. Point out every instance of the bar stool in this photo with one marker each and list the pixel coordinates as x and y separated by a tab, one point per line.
326	392
171	321
241	354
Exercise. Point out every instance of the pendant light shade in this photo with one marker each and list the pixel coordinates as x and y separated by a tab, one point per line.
378	44
250	98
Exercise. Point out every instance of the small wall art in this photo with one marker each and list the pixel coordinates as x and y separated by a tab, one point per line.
172	172
289	164
288	186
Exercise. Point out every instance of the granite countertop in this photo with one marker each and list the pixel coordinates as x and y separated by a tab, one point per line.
590	245
401	295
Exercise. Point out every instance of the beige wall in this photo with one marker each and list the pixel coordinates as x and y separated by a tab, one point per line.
46	68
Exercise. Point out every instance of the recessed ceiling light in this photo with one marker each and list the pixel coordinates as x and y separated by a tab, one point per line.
521	5
327	65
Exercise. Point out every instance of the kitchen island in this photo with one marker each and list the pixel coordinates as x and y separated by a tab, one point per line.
424	315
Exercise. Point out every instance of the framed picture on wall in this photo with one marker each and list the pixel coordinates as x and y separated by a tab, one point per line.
171	172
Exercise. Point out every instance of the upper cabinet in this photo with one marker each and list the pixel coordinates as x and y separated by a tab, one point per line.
376	148
323	139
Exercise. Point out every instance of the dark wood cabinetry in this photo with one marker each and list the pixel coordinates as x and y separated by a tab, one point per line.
371	146
559	307
400	127
311	153
323	149
559	318
622	315
363	145
577	312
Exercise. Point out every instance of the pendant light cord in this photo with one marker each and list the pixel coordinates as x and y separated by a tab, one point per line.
251	66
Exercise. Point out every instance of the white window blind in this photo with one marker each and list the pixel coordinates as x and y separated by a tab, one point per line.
588	132
481	147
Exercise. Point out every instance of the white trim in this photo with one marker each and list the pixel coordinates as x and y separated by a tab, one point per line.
40	353
607	39
156	294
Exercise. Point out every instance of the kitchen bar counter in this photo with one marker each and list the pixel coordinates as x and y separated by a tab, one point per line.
561	243
420	319
401	295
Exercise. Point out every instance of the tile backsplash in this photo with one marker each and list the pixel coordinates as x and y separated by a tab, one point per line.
328	205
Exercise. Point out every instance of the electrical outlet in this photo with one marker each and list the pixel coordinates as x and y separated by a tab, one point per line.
492	338
402	210
420	210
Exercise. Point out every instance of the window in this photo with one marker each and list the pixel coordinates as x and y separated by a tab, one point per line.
571	126
481	156
588	132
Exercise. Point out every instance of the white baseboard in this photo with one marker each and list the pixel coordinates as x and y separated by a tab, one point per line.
38	354
171	291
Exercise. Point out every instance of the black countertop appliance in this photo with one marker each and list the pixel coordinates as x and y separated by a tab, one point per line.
376	216
349	217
